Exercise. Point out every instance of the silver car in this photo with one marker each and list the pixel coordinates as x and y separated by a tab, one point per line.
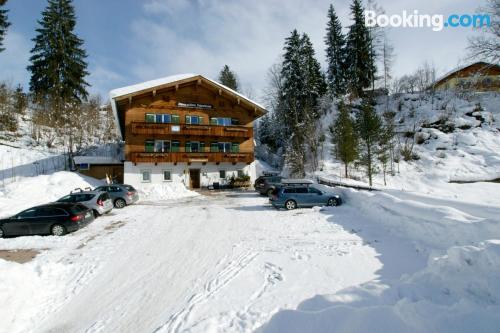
99	201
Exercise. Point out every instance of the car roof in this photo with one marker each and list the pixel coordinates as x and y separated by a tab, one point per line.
297	181
58	205
87	192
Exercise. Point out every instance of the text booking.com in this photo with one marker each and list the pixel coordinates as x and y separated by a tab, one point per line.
437	22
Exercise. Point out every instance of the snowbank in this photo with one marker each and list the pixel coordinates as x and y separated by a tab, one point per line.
457	292
29	191
166	191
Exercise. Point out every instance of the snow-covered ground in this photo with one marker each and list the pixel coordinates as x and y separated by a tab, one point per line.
228	262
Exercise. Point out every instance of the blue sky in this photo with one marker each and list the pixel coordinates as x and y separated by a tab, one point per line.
130	41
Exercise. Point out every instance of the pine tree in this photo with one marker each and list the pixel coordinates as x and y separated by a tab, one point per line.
335	54
58	68
20	100
359	52
368	126
302	86
345	137
228	78
4	23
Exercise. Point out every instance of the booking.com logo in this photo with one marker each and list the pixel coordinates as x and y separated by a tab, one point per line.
436	22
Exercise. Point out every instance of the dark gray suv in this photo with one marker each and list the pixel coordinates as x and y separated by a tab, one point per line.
121	194
266	184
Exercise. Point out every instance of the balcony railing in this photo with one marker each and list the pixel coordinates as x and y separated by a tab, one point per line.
191	157
158	129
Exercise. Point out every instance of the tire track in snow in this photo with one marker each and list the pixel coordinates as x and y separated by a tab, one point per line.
210	289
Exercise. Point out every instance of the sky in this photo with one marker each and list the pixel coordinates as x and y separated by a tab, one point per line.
131	41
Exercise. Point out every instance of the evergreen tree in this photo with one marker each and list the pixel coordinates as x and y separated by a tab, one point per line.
20	100
4	23
228	78
58	68
302	86
359	52
345	137
335	54
368	126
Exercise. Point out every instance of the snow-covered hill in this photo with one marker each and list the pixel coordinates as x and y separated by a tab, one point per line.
457	139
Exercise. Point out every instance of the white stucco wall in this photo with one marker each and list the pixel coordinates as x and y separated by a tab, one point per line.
209	173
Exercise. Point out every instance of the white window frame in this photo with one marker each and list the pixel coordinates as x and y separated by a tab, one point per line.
142	176
163	175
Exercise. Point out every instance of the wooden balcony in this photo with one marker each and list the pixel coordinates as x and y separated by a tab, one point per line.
191	157
162	129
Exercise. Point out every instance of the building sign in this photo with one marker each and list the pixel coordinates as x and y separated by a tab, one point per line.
194	105
175	128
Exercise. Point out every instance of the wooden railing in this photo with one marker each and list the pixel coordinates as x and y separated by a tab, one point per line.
157	129
193	157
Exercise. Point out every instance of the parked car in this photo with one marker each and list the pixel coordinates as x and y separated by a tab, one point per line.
52	219
266	184
121	194
291	197
99	201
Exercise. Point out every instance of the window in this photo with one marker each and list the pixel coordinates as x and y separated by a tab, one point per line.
235	148
224	147
314	191
241	174
146	176
194	120
290	190
149	146
301	190
159	118
51	211
167	175
83	197
150	117
162	146
235	122
214	147
175	119
194	146
222	174
67	198
28	213
84	166
222	121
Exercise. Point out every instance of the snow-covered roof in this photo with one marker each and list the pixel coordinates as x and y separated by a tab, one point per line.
95	160
143	87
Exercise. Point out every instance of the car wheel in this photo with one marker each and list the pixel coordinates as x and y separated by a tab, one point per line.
57	230
332	202
96	213
120	203
269	192
1	233
290	204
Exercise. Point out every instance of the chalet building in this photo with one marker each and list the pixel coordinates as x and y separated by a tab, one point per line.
479	76
185	128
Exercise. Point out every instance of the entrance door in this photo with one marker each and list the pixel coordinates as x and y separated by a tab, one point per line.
194	178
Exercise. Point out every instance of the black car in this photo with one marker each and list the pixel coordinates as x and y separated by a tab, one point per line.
266	184
52	219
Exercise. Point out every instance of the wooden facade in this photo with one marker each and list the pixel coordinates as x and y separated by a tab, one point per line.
479	76
175	104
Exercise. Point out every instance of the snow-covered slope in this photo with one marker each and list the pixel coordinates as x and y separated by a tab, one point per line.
457	139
